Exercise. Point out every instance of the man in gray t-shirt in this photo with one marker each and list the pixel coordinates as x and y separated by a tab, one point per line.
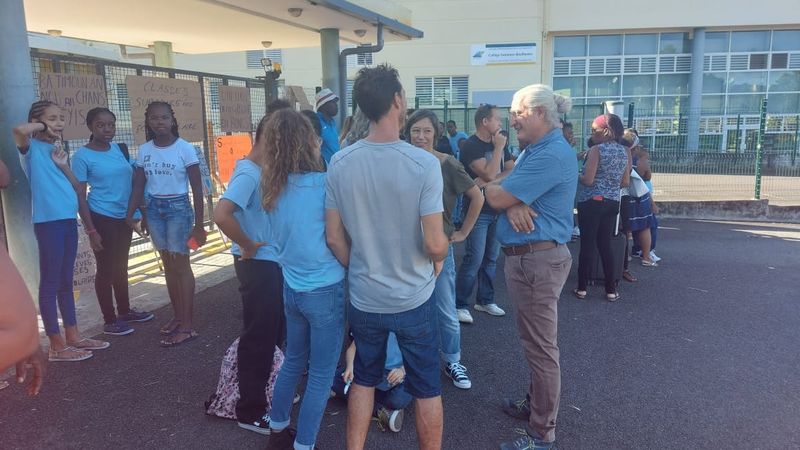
383	212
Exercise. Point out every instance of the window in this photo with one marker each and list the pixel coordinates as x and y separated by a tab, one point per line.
784	81
639	85
747	82
350	95
713	104
569	46
780	60
671	106
674	43
364	59
573	86
717	42
744	103
254	57
641	44
714	83
750	41
786	40
783	103
605	45
603	87
677	84
435	90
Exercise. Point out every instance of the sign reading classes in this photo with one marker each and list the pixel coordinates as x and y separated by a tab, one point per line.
76	94
183	95
234	109
485	54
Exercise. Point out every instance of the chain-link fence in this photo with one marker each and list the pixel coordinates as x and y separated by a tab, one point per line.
114	74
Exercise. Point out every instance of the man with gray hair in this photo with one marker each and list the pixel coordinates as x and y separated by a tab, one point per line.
537	198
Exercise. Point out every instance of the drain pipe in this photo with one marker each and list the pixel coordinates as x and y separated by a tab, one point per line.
362	49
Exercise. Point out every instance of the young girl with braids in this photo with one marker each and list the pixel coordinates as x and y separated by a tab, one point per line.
55	208
165	167
102	165
293	194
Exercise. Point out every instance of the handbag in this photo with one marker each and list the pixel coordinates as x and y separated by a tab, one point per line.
637	187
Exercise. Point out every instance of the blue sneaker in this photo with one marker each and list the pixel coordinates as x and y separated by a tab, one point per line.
118	328
527	442
137	316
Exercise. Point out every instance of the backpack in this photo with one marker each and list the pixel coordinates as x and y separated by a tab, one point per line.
223	402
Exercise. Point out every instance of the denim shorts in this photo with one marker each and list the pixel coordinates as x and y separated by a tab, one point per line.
418	337
170	221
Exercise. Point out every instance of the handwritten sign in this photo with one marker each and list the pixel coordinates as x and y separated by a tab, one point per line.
76	94
85	267
234	109
183	95
231	149
205	173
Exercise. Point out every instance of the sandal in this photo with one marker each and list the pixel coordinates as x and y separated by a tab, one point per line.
628	276
172	341
89	344
649	263
580	294
3	384
613	297
70	354
170	327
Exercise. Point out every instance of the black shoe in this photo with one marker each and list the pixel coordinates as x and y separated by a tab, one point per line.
518	409
260	426
283	440
527	442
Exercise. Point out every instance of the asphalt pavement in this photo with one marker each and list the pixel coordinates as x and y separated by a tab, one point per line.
702	352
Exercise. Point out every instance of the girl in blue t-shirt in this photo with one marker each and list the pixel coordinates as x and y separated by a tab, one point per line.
54	210
103	165
293	194
165	167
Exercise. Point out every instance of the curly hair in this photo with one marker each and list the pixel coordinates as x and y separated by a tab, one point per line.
288	144
150	134
38	108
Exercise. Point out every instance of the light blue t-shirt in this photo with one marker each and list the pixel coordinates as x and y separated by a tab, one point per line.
52	195
297	225
330	138
243	190
109	177
544	178
454	142
382	190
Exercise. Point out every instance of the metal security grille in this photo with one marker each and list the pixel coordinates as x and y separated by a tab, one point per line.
114	74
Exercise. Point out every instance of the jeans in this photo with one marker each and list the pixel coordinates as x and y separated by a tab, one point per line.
314	331
445	295
112	266
535	281
597	219
479	263
170	221
58	248
261	288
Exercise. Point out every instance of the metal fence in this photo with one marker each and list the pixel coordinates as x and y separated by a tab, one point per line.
114	74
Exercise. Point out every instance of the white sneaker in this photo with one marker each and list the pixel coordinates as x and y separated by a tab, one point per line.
464	316
458	374
576	232
654	257
491	309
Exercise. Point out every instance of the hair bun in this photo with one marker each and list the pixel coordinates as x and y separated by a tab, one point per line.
563	104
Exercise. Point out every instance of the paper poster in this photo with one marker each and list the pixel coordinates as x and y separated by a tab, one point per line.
76	94
234	109
231	149
184	96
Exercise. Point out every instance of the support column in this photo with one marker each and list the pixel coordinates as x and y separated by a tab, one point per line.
16	96
696	90
163	54
329	40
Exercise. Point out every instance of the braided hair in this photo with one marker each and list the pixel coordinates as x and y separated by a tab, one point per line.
38	108
92	115
150	134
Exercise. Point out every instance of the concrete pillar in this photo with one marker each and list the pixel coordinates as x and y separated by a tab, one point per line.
329	46
16	96
696	90
163	54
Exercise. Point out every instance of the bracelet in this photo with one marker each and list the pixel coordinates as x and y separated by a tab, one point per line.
90	232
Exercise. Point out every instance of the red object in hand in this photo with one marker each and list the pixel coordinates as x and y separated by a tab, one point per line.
193	244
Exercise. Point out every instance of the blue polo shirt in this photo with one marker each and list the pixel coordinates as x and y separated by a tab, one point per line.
108	175
52	195
330	138
243	190
454	142
544	178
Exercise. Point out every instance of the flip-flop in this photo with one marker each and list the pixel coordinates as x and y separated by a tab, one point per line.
628	276
3	385
89	344
649	263
169	328
613	297
580	294
191	336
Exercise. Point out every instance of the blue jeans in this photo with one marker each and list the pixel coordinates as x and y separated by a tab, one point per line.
479	263
445	295
314	331
170	221
58	248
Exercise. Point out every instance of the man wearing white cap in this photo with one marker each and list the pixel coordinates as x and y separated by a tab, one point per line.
327	108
